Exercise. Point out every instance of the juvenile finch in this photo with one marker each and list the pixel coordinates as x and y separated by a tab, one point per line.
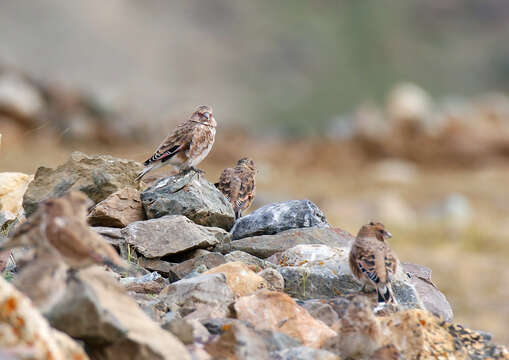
238	185
187	145
372	261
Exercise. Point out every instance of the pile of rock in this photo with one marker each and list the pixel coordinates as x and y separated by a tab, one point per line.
274	284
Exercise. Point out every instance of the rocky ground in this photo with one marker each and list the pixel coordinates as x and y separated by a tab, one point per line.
274	284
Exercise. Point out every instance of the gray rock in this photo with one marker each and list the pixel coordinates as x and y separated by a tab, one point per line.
97	310
187	331
216	326
303	353
158	265
432	298
274	218
275	280
169	235
97	176
321	310
248	259
151	283
266	245
211	260
190	195
275	340
112	235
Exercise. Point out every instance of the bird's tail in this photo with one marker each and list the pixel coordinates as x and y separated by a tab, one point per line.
385	294
144	171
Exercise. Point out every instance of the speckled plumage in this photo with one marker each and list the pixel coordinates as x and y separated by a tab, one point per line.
187	145
372	260
238	185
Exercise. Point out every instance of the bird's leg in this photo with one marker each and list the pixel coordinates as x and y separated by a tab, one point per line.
198	171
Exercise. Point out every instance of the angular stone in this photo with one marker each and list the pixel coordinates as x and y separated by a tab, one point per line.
190	195
242	280
12	187
247	259
158	265
266	245
321	310
170	235
112	235
97	310
303	353
210	260
118	210
97	176
275	218
151	283
25	333
275	280
275	340
270	310
187	331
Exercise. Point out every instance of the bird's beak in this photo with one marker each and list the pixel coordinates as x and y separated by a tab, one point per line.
207	115
388	235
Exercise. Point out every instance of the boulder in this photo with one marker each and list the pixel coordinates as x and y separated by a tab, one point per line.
158	265
270	310
302	353
96	310
274	218
190	195
118	210
240	278
275	280
97	176
12	187
266	245
170	235
247	259
25	333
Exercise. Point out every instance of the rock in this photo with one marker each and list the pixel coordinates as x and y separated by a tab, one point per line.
303	353
112	235
190	195
187	331
19	99
270	310
247	259
210	291
170	235
432	298
242	280
118	210
97	176
12	187
318	271
266	245
151	283
25	333
410	106
275	340
275	218
216	326
158	265
275	280
210	260
321	310
97	310
238	342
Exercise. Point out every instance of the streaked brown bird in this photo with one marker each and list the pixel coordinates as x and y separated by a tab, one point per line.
60	227
187	145
372	260
238	185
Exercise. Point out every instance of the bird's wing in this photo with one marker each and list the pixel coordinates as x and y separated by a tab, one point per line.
366	261
225	181
391	262
177	141
247	189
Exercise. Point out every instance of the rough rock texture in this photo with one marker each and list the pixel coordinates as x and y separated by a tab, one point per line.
266	245
187	331
97	176
12	187
303	353
170	235
274	218
270	310
209	291
275	280
97	310
242	280
118	210
112	235
151	283
247	259
190	195
321	310
433	300
210	260
24	332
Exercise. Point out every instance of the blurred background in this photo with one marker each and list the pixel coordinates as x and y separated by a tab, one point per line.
396	112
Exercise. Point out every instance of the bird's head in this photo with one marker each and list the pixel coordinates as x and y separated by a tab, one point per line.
374	229
247	162
203	114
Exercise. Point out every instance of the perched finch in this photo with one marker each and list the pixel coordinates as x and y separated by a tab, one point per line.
238	185
372	261
187	145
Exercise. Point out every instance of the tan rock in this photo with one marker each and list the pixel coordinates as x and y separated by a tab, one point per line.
242	280
270	310
12	187
24	331
118	210
274	279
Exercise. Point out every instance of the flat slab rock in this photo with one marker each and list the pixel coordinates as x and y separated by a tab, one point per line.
277	217
118	210
190	195
266	245
97	176
170	235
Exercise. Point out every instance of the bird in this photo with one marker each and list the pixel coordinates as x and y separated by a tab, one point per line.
387	352
60	227
372	261
188	144
238	185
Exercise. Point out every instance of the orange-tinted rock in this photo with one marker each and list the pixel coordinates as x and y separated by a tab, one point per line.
242	280
118	210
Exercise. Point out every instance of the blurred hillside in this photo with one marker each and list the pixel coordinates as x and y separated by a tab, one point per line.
290	67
